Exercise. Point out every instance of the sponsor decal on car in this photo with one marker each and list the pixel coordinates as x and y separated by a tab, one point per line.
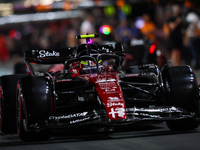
115	104
106	85
117	112
115	107
44	53
114	99
83	114
79	120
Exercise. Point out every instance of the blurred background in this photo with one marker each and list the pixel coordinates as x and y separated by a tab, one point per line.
151	31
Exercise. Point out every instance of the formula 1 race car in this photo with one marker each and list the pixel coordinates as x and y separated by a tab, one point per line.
92	88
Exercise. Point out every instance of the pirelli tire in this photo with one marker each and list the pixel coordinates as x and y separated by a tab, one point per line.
182	90
8	88
34	107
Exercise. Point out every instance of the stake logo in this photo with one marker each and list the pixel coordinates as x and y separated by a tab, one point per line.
115	104
43	53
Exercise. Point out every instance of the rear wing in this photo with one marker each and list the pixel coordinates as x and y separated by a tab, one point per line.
44	56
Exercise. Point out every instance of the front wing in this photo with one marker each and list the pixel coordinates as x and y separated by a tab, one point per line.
99	117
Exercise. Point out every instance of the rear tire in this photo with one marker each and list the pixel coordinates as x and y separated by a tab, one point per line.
34	107
182	90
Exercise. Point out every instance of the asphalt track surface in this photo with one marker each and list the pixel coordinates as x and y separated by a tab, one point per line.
151	136
138	137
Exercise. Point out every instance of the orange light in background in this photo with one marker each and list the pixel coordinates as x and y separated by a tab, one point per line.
156	1
43	8
98	2
120	3
67	6
188	4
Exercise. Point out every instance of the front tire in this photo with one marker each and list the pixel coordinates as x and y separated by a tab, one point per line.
34	107
182	90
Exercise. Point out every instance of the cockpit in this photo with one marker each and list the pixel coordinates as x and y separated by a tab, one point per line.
90	65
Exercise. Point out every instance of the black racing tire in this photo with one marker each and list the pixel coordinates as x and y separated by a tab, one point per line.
181	90
8	86
20	68
34	106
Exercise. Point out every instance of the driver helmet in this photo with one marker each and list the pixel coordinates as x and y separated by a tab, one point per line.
86	63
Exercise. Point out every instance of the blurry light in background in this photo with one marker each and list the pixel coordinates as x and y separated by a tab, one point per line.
86	3
67	6
120	3
27	3
127	9
109	11
139	23
46	2
12	33
39	17
105	29
6	9
18	35
152	48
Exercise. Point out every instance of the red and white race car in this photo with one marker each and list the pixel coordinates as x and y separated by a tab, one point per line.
92	88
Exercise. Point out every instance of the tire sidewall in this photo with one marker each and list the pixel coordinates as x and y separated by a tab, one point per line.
34	106
181	88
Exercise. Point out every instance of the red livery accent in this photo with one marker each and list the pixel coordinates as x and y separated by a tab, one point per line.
110	93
